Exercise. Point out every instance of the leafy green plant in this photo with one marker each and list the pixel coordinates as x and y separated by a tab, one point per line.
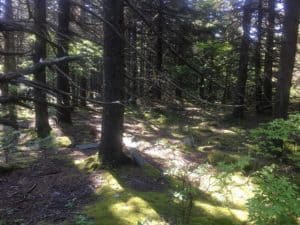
271	138
8	140
241	164
183	196
71	204
276	200
83	220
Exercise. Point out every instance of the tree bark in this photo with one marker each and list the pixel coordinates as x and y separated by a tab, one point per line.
114	73
41	109
239	100
142	62
63	115
269	58
83	90
9	60
134	61
287	57
258	77
159	51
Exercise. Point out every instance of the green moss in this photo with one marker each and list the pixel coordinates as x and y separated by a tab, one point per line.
51	223
122	206
89	164
151	171
63	141
214	157
208	214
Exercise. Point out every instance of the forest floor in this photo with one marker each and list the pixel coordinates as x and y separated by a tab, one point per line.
53	181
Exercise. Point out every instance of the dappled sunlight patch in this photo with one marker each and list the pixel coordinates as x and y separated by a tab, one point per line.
133	210
216	156
120	206
236	192
25	114
228	188
88	164
175	133
111	183
63	141
15	152
204	148
235	215
222	131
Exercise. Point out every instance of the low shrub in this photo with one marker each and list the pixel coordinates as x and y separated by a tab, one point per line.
276	200
273	138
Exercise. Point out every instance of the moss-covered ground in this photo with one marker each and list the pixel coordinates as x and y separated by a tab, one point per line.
198	172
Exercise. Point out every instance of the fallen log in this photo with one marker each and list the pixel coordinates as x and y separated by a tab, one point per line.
137	157
88	146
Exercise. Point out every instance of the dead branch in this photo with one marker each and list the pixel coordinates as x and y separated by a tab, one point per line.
4	78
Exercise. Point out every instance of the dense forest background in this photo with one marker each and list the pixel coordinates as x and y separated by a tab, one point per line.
90	86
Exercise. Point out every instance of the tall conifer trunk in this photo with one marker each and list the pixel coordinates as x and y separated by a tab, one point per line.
258	77
40	53
159	50
9	60
63	114
287	57
243	64
269	58
113	84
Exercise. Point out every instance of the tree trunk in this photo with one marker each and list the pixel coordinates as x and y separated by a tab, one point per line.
74	88
287	57
239	100
41	108
269	58
159	51
258	78
63	114
83	90
134	62
201	87
113	113
9	60
142	63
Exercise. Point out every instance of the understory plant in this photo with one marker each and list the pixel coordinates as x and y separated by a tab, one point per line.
273	138
83	220
276	200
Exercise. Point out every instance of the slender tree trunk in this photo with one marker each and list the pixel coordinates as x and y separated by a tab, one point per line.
134	62
142	63
227	86
181	50
159	50
287	57
83	81
83	90
74	90
113	114
243	64
9	60
63	114
201	88
41	108
258	78
269	58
